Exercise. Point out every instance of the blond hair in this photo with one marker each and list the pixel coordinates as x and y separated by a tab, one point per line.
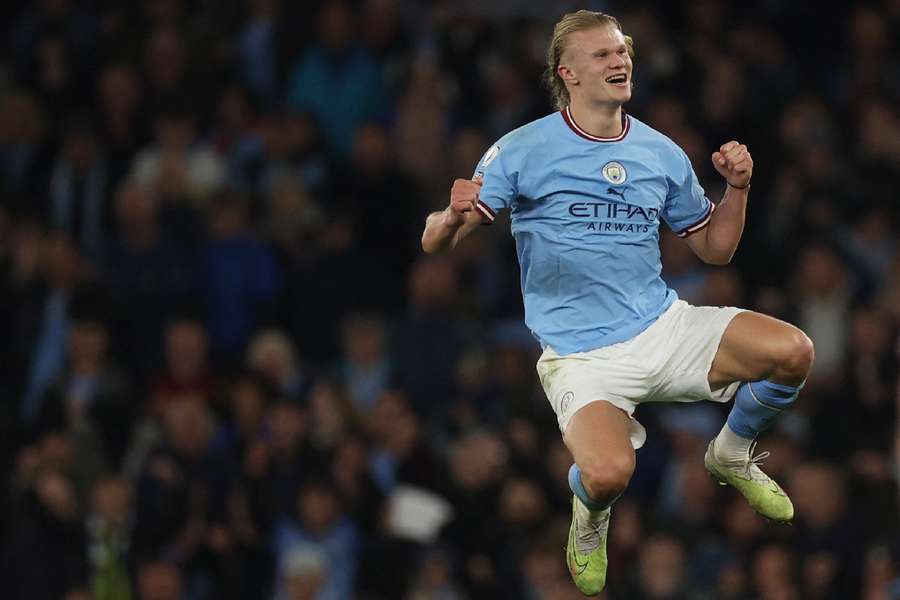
570	23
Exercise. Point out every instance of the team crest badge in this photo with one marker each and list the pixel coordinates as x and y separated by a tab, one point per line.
614	173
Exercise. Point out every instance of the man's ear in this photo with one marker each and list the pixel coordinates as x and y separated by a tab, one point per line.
566	74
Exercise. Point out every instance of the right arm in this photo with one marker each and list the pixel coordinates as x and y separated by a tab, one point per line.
444	229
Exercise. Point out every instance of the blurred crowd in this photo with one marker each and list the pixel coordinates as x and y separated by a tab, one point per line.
228	371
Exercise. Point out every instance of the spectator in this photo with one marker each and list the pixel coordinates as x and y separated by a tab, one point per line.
49	535
302	573
293	217
241	278
272	354
109	527
80	190
313	315
430	338
186	372
63	271
337	80
825	293
288	458
365	365
122	123
22	290
401	454
829	536
236	135
477	467
662	570
24	152
320	529
166	64
91	397
355	482
292	145
393	235
774	573
150	275
422	121
248	401
181	491
257	43
176	166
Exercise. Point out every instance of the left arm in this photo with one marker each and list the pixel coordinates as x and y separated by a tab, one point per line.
717	243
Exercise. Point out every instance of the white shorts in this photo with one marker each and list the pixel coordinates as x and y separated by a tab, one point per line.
667	362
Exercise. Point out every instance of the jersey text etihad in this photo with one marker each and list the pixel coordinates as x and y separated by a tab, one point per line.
585	215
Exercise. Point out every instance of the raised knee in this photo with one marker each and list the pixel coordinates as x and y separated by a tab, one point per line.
798	355
606	477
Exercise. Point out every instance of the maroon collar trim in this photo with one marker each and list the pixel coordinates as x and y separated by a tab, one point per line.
567	117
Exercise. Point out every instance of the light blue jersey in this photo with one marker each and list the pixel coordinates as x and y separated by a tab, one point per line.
585	215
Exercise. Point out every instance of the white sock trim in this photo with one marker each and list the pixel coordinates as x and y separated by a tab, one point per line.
730	447
583	513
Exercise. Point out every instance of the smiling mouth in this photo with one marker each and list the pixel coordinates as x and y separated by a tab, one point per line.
618	80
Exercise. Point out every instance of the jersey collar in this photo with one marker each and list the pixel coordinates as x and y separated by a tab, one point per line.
567	117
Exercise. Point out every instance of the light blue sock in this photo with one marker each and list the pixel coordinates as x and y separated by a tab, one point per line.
756	405
578	489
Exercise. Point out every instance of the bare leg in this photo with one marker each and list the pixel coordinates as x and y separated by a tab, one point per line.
598	437
772	358
599	440
757	347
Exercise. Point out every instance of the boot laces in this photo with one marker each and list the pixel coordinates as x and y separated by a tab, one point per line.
754	462
588	535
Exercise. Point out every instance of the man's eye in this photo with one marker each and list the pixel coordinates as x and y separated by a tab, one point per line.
622	51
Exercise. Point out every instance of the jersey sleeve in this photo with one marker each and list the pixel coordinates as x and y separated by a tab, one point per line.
498	182
687	209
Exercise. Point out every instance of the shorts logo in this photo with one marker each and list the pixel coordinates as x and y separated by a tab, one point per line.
566	401
614	172
489	156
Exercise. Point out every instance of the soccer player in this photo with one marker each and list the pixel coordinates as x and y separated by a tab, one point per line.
587	188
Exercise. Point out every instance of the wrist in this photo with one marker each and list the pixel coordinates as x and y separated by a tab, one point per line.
746	186
451	219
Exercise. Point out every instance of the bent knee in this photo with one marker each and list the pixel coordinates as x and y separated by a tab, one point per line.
797	355
606	477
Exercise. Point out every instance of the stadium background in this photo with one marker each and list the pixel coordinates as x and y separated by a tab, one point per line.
228	371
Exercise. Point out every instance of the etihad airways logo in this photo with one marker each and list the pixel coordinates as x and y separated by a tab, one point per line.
615	216
612	210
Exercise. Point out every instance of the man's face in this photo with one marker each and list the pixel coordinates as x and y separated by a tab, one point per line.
596	63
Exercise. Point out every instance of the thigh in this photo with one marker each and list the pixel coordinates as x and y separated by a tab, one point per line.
600	430
749	348
575	381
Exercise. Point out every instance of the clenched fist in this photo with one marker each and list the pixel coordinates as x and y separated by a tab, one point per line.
463	196
734	163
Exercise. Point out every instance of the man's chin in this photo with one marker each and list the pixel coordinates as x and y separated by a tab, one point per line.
624	93
614	98
620	96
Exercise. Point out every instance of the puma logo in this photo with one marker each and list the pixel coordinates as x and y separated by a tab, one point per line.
615	192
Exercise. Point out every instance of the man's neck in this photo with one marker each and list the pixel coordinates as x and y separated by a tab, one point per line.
601	120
